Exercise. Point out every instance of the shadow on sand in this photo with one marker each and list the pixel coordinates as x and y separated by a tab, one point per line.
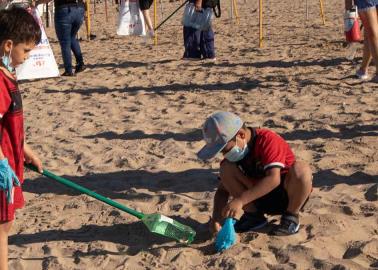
122	184
191	136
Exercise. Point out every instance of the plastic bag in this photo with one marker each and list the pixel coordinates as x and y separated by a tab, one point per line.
226	237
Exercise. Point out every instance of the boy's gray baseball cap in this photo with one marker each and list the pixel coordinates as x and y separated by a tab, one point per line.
218	129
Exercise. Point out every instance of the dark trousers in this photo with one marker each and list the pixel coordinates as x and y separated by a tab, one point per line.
198	44
68	20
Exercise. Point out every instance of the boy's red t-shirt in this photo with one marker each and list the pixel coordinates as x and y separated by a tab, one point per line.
266	150
11	140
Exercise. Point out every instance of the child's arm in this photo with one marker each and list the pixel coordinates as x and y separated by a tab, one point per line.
1	154
198	5
8	179
220	201
32	158
261	188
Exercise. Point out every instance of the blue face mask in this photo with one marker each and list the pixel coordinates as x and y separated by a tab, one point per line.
6	60
236	153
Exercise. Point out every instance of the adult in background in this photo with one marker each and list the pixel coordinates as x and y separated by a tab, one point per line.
144	6
199	44
368	12
69	16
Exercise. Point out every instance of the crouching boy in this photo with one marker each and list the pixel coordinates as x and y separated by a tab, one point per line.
259	175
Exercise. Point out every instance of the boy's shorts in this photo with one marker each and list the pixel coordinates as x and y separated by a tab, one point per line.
7	211
275	202
364	5
145	4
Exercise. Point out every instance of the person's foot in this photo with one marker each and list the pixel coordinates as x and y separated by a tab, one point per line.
80	68
362	75
289	225
92	36
68	74
151	33
214	59
191	58
250	221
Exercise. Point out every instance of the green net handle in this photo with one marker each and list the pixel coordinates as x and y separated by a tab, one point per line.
84	190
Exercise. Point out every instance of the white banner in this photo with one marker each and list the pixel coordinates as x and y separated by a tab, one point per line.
41	62
130	19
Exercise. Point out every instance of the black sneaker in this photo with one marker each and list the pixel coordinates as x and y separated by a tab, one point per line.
250	222
80	68
289	225
68	74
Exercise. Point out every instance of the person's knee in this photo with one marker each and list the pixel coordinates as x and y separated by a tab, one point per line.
5	228
302	173
227	170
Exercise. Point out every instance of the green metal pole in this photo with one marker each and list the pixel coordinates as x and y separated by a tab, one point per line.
84	190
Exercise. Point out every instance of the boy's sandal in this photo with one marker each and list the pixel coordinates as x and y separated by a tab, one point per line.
289	225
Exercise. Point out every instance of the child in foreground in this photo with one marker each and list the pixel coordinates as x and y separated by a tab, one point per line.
259	173
18	36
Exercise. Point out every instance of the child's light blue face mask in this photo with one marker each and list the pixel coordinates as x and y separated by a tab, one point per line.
236	153
7	61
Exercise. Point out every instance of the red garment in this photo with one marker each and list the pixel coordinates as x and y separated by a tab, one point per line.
271	150
266	150
11	140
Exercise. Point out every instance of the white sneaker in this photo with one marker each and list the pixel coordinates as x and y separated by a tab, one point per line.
362	75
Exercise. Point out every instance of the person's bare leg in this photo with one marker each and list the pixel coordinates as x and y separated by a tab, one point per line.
369	19
366	56
147	19
4	232
298	184
235	182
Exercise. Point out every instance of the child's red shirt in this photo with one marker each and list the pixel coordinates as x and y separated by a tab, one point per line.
11	140
266	150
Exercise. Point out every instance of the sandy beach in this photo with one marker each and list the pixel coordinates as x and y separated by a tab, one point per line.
129	128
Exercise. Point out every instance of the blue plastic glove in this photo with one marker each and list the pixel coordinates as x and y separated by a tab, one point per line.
7	178
226	237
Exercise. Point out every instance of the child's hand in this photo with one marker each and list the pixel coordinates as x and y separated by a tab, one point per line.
233	209
30	157
8	179
198	5
214	227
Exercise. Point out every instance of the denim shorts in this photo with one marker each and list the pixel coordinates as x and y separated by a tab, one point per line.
364	5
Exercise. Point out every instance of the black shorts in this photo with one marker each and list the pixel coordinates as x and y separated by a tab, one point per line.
145	4
275	202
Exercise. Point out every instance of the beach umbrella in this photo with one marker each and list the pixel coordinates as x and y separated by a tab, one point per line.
156	223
